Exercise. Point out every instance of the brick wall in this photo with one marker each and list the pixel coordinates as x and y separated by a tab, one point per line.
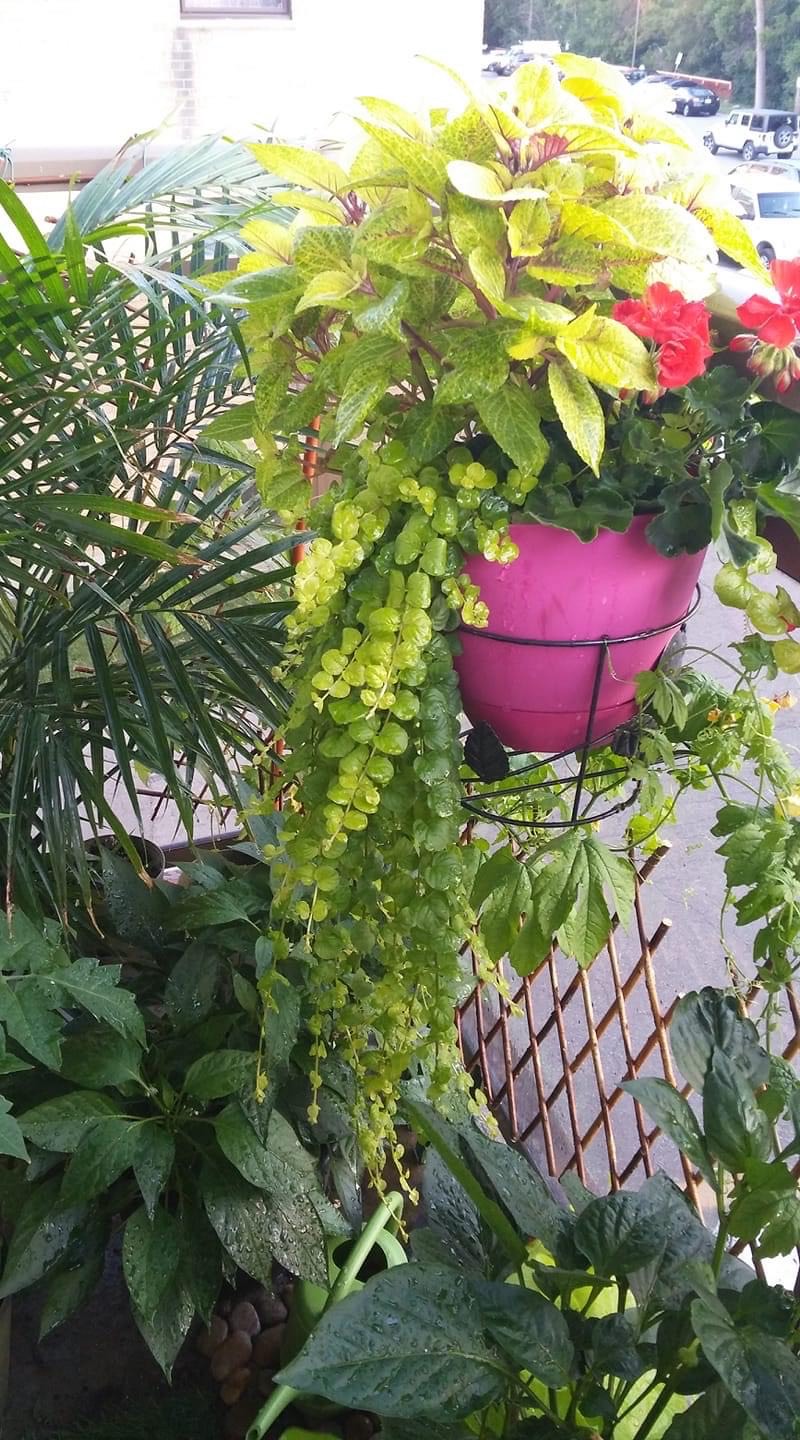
98	71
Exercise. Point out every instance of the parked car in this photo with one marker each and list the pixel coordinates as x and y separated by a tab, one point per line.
751	170
769	206
505	62
753	133
689	99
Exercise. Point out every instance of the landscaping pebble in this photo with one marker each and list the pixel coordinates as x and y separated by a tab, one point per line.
231	1355
271	1309
211	1336
245	1317
267	1348
235	1385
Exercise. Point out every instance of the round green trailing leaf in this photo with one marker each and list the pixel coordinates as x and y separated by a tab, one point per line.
411	1344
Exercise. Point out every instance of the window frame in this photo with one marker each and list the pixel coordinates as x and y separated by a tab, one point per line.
222	11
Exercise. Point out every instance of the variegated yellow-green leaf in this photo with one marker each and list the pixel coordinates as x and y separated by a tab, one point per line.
325	212
589	223
512	419
489	274
542	317
579	411
319	248
731	237
389	113
663	228
538	97
302	167
605	79
474	224
420	162
609	354
328	288
273	242
478	182
528	227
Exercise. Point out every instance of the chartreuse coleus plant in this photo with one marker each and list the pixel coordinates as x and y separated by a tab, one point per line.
133	1108
621	1316
449	308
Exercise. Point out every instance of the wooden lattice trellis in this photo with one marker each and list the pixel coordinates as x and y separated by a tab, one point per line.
551	1063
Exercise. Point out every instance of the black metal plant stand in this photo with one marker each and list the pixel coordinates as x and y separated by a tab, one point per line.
491	762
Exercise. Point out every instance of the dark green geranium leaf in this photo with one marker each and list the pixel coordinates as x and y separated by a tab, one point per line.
200	1269
192	985
44	1230
617	1235
760	1372
522	1192
531	1331
410	1344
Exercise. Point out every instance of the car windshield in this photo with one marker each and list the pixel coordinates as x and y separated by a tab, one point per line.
780	206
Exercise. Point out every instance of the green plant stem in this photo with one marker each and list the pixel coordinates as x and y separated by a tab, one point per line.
389	1210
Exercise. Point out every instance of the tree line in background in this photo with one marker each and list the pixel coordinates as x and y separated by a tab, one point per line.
717	37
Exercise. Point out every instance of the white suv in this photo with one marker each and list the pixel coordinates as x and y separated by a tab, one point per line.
754	132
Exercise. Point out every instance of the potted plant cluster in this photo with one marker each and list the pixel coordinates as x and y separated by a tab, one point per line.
496	317
619	1316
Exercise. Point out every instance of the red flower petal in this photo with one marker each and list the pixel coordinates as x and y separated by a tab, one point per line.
785	276
778	330
755	311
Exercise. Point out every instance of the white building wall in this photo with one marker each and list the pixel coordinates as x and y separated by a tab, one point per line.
89	72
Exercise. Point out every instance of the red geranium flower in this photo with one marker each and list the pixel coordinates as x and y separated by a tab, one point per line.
680	327
776	322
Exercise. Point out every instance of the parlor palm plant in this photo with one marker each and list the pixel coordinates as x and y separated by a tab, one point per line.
141	600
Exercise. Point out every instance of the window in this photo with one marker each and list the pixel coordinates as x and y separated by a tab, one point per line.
780	206
745	203
236	9
745	120
758	122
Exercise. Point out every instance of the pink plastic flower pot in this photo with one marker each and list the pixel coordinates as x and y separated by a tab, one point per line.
561	590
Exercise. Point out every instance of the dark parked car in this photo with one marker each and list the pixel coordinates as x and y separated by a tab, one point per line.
694	99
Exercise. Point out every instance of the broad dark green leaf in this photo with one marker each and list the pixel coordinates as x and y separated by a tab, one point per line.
708	1020
220	1073
240	1215
44	1229
613	1345
447	1141
529	1330
153	1159
12	1141
668	1108
617	1234
61	1124
151	1253
106	1151
410	1344
736	1128
98	1057
760	1372
74	1282
714	1413
96	988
